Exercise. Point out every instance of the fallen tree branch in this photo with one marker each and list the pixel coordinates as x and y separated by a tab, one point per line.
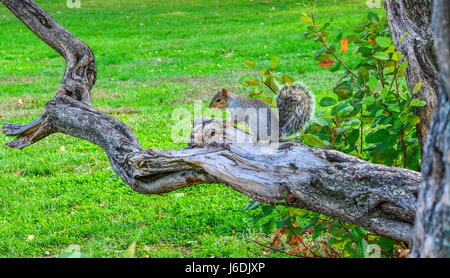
378	198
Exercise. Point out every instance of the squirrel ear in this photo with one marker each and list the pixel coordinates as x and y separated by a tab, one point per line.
225	93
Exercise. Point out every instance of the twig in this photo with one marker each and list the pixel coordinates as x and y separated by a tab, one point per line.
270	87
328	48
393	79
340	61
386	253
343	226
404	147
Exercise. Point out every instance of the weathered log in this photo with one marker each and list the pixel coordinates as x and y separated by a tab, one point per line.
379	198
432	231
410	25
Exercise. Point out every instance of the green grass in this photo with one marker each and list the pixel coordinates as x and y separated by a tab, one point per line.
152	57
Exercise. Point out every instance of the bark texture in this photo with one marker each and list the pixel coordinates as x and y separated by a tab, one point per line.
379	198
432	231
411	20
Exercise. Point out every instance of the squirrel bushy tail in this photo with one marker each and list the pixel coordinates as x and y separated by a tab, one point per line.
296	106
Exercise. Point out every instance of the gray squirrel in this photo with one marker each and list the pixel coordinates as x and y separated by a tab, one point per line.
295	105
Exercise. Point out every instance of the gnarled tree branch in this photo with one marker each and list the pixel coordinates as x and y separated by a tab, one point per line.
379	198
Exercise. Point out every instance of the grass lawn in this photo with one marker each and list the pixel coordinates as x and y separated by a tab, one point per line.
152	57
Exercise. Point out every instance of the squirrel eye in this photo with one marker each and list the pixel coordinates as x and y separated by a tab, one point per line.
218	100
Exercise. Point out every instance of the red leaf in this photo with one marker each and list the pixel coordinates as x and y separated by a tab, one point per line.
372	42
326	63
276	241
344	45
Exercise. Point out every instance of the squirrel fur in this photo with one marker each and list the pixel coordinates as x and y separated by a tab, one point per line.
295	105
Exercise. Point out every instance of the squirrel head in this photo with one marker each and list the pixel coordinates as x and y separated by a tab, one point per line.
220	100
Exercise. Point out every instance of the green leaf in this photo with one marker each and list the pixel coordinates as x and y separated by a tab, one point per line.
418	103
365	51
373	83
383	41
387	144
344	89
252	205
308	225
297	211
417	87
331	241
352	38
397	123
368	100
390	49
312	140
355	236
305	19
327	101
379	113
362	75
336	67
320	54
386	243
404	36
390	69
354	123
268	227
402	68
130	250
353	137
413	158
362	248
384	91
372	16
274	62
342	107
360	231
381	56
413	119
318	229
307	35
395	108
267	209
338	37
321	121
396	56
377	136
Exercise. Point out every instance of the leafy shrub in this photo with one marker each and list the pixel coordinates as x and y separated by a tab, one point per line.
368	115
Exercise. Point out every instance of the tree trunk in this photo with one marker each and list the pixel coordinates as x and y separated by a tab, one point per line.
378	198
432	238
411	20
